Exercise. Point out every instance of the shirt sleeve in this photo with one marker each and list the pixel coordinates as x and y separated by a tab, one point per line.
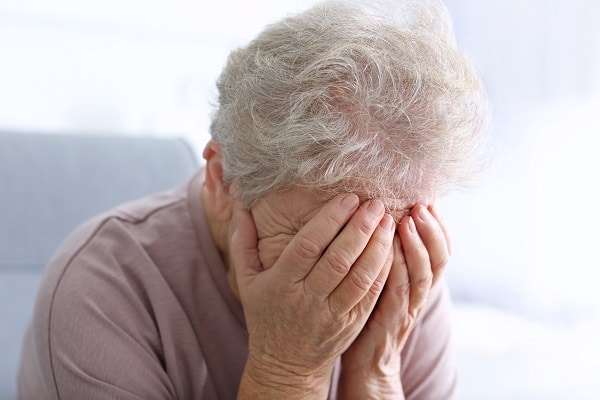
100	332
429	368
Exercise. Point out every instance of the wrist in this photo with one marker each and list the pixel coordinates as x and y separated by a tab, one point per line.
370	386
266	378
378	379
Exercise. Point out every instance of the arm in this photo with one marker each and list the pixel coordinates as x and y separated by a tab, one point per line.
96	337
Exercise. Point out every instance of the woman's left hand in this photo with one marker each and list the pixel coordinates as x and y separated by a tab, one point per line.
371	366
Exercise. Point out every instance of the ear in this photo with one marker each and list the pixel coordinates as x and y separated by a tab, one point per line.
218	196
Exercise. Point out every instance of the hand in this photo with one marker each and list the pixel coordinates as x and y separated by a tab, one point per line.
371	366
309	307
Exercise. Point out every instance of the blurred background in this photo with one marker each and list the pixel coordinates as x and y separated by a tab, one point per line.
524	275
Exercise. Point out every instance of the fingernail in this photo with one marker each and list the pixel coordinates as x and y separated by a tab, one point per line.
387	222
350	202
375	207
422	213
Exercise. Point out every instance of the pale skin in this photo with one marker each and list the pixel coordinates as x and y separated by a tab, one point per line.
319	280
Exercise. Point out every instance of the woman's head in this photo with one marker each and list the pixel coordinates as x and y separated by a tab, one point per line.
345	97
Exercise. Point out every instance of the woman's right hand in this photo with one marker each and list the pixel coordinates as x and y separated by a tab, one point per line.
307	309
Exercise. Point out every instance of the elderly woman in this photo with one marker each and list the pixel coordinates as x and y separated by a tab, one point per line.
304	260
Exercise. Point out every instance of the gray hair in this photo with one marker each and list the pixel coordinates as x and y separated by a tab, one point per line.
365	97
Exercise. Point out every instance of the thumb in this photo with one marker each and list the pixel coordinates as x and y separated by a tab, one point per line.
243	246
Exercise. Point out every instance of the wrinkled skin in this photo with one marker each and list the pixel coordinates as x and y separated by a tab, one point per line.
322	280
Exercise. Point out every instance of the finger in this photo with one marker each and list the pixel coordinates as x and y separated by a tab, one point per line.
344	250
395	299
374	299
418	265
398	284
306	247
397	290
434	239
433	210
361	283
243	246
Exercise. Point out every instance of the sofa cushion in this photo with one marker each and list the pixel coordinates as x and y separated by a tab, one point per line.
49	184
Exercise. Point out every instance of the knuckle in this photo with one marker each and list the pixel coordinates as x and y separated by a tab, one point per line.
361	280
441	263
339	260
364	226
403	289
341	316
334	220
377	286
306	247
383	246
424	282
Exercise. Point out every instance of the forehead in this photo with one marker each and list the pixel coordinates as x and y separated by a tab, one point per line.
299	205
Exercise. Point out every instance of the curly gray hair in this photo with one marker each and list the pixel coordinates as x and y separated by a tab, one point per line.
365	97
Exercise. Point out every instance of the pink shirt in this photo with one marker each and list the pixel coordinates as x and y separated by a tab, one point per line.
136	305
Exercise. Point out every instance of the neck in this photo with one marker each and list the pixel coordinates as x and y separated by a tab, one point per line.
219	231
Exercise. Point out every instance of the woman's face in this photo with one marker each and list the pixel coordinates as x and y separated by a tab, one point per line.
279	216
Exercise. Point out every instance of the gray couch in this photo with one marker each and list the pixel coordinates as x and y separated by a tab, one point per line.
49	184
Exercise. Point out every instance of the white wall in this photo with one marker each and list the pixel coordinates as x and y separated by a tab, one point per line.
149	66
524	242
129	66
521	232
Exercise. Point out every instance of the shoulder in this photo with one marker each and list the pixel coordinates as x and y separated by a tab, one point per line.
96	313
122	235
